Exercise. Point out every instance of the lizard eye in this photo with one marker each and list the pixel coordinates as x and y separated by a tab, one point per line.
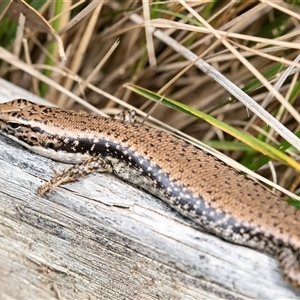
13	125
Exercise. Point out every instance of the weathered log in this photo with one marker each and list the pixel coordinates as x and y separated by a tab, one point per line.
101	238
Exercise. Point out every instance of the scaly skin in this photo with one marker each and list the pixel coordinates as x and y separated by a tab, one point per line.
193	182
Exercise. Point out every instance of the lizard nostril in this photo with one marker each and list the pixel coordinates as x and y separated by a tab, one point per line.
49	145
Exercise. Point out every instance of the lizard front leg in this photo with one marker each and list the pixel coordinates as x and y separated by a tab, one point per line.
88	166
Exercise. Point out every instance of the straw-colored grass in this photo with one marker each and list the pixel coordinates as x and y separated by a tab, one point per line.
198	53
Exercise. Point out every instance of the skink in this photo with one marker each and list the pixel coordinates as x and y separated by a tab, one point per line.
196	184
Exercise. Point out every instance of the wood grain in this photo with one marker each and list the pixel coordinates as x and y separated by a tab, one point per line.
100	238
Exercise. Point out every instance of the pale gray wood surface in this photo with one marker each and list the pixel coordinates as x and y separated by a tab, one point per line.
100	238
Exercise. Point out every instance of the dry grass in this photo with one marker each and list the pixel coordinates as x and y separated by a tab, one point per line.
106	43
